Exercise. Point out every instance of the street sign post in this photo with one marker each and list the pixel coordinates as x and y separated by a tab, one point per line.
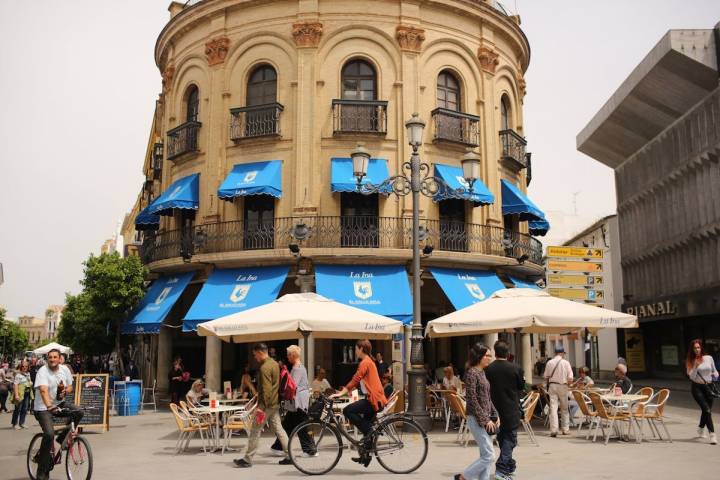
573	266
575	252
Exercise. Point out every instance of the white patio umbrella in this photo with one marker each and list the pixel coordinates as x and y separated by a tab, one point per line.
297	314
50	346
526	310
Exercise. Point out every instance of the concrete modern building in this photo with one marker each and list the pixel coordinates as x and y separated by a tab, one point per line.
250	192
660	131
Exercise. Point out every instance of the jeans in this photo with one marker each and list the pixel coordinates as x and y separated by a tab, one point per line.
45	419
507	439
292	420
480	468
21	409
559	395
272	419
360	414
701	394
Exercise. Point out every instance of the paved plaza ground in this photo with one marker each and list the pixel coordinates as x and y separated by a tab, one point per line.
141	447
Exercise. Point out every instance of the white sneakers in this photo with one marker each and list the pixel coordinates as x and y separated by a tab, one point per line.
713	439
277	453
701	433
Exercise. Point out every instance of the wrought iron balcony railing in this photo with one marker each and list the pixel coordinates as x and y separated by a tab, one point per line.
359	116
456	127
183	139
255	121
338	232
513	148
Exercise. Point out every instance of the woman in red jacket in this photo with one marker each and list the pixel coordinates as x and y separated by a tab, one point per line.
362	413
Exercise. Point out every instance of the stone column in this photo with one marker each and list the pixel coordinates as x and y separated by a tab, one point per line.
527	360
164	359
489	339
213	363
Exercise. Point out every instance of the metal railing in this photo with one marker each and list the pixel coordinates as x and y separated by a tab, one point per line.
183	139
339	232
359	116
456	127
513	147
255	121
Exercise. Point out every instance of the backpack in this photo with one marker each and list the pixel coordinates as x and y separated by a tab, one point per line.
287	387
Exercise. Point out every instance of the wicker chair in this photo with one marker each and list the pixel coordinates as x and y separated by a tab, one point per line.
609	415
187	427
584	403
457	407
654	412
528	406
237	422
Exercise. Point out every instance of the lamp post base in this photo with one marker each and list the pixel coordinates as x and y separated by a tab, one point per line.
416	399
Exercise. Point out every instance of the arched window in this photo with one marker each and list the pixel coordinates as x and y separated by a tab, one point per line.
358	81
448	91
262	86
505	113
192	103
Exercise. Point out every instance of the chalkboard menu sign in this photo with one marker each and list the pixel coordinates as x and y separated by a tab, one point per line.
91	393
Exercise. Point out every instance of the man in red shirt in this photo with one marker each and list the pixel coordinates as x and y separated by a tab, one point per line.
362	413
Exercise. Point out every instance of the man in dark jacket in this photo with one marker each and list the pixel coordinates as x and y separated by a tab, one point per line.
506	383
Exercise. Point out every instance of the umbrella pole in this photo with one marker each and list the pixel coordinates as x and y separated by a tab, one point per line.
306	348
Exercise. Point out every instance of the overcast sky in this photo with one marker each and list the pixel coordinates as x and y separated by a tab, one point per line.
78	84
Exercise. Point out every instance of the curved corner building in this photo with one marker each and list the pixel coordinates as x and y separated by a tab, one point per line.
250	192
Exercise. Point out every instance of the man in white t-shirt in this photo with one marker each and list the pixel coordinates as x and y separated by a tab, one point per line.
53	386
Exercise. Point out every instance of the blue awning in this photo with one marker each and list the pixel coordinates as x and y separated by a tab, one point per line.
258	178
182	194
233	290
453	176
466	287
539	227
520	283
146	220
343	180
381	289
156	304
514	202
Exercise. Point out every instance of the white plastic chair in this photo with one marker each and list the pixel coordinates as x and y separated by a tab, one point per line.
241	420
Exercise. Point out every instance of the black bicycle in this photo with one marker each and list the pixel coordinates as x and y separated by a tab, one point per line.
399	443
78	455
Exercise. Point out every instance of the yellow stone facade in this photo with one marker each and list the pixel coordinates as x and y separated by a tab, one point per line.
216	44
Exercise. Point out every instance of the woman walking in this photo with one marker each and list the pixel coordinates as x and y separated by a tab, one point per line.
702	372
482	418
23	394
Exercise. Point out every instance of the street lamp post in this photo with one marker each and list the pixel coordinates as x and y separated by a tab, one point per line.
419	181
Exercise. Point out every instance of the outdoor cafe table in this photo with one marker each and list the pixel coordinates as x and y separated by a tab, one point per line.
220	409
224	401
627	401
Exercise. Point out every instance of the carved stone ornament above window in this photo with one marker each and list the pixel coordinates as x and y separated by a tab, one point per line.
521	85
488	59
216	50
410	38
307	34
167	77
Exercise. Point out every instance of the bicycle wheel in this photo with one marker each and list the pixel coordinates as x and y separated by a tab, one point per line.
78	460
400	445
32	455
315	447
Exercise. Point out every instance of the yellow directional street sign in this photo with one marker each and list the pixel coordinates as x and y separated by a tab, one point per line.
577	280
560	265
575	252
576	294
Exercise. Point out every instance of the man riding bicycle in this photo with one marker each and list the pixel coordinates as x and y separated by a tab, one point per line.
53	383
362	413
